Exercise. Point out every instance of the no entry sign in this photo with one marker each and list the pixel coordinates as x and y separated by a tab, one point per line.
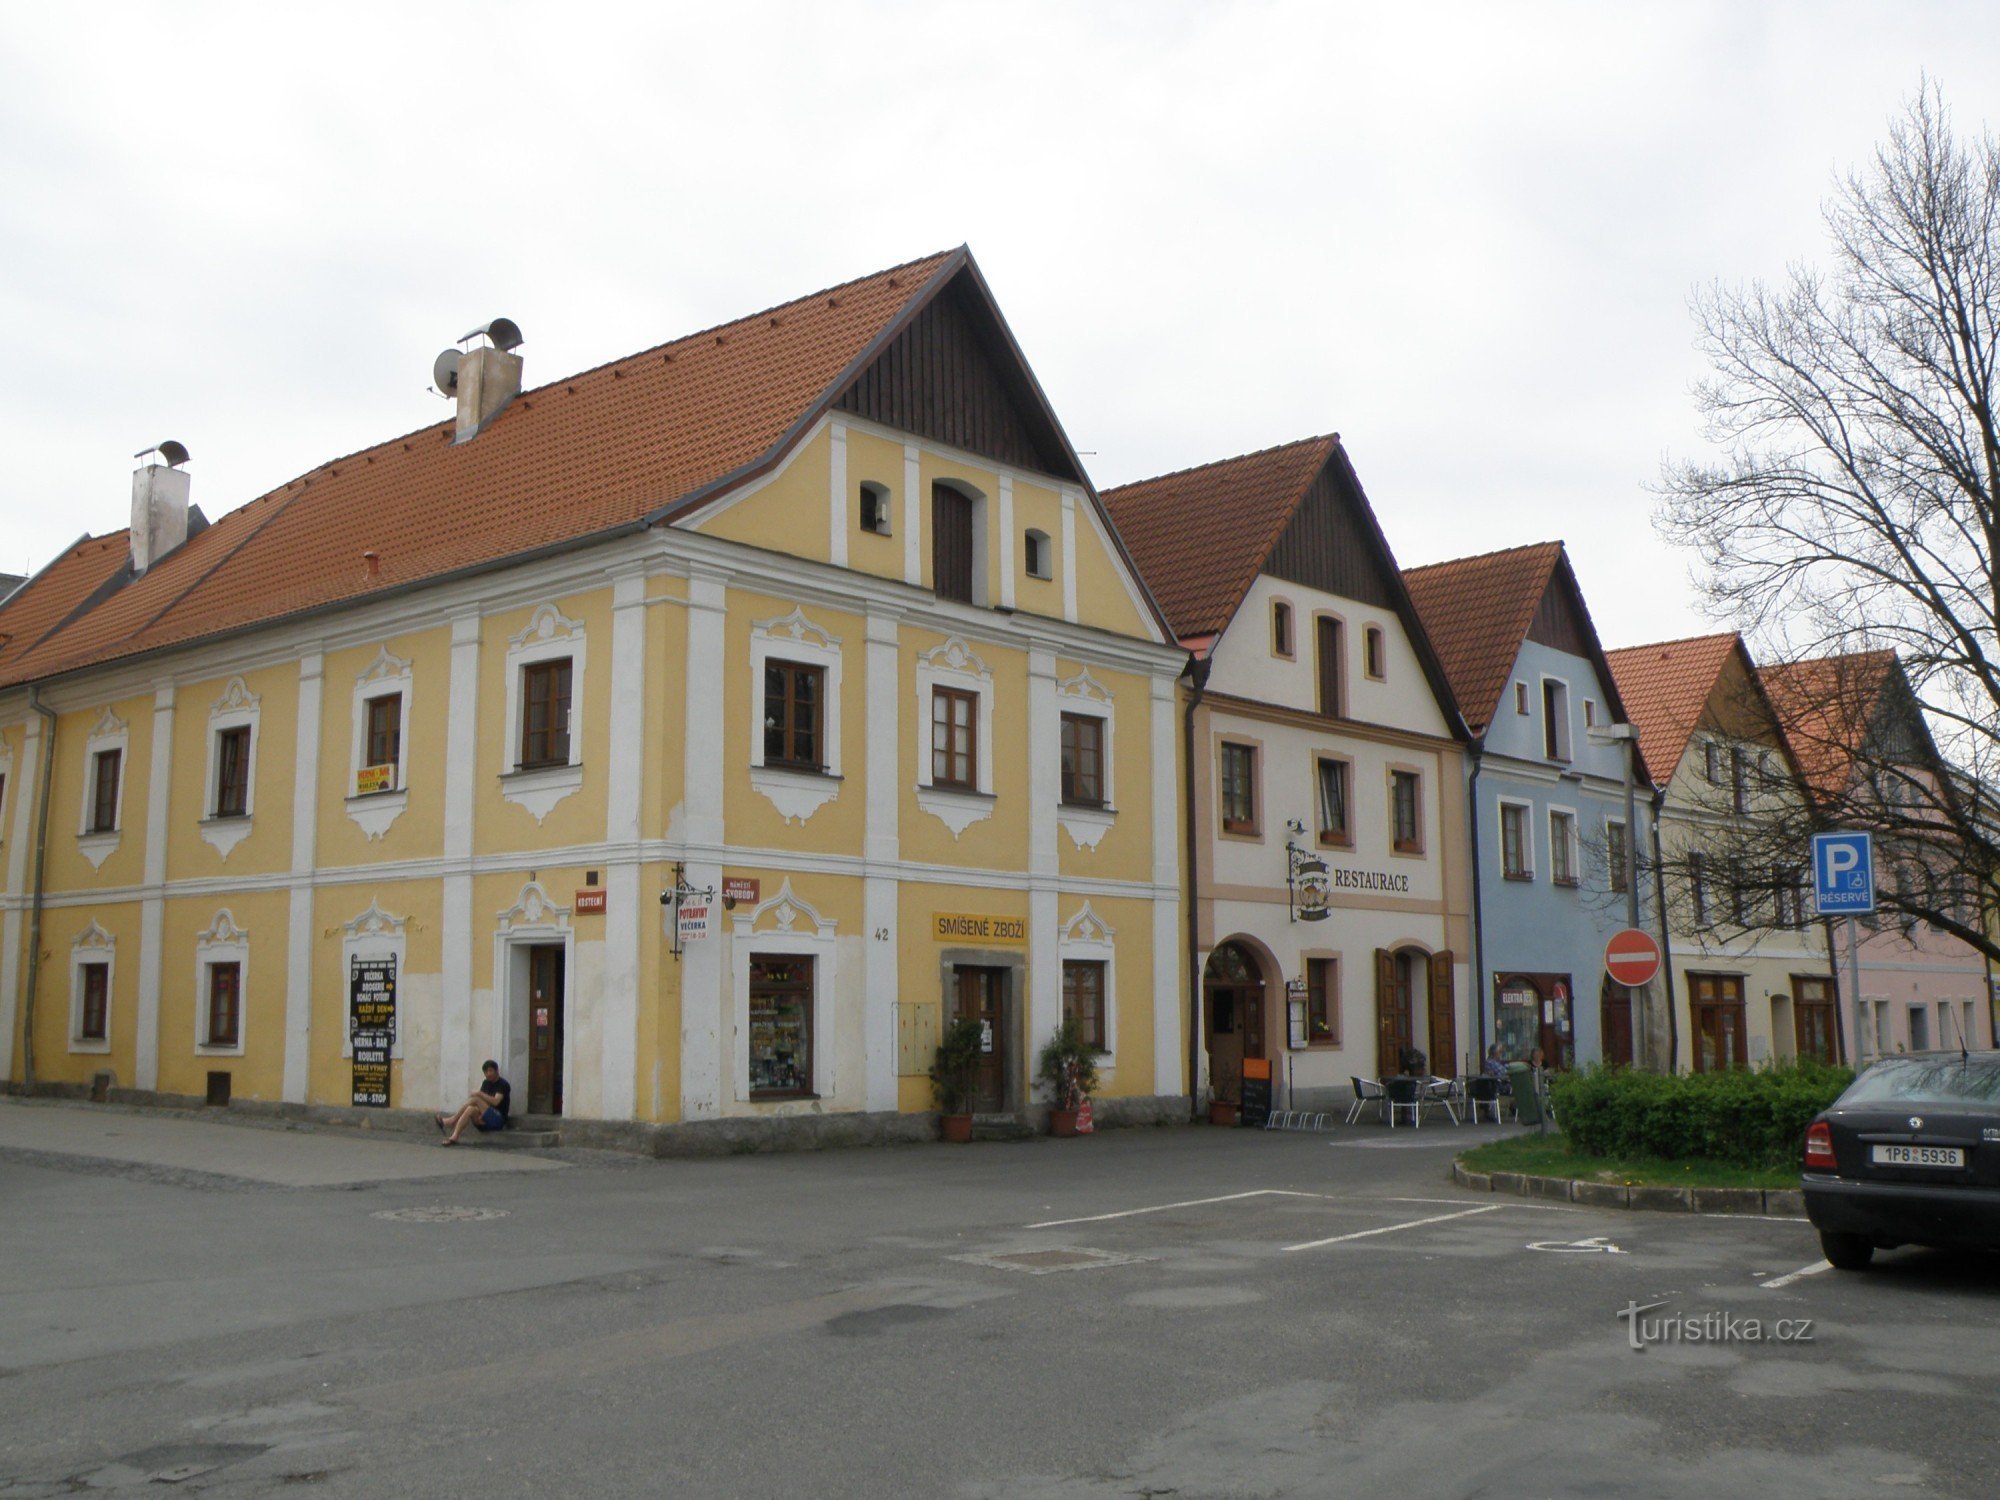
1632	957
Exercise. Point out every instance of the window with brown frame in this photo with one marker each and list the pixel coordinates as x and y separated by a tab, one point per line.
93	1023
104	769
1521	698
225	1005
1083	759
1281	628
954	738
545	714
1335	802
1562	848
1239	788
875	507
1322	1002
1083	999
1406	828
382	736
1328	638
1372	653
1555	719
781	1027
232	772
1739	779
792	702
1616	854
1516	862
951	543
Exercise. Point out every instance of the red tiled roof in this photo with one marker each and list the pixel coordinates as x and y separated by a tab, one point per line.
1665	687
635	441
1476	611
1200	535
1827	709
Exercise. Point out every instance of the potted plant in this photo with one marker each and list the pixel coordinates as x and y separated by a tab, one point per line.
953	1076
1067	1068
1224	1081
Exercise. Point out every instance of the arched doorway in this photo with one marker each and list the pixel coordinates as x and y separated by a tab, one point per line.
1233	994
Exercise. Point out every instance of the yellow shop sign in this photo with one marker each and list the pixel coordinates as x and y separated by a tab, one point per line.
975	927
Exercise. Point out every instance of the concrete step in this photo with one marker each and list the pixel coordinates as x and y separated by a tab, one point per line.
512	1139
1001	1127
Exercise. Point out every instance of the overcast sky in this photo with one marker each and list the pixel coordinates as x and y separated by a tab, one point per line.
1463	236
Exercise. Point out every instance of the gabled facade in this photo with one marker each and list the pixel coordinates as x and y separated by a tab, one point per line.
1855	726
812	617
1748	967
1326	782
1552	839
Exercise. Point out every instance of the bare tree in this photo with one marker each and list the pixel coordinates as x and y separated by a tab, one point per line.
1854	510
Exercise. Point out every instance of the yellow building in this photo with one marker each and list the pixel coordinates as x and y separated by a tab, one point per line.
813	618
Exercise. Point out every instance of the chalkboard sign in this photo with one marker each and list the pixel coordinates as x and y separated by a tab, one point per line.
1256	1108
371	994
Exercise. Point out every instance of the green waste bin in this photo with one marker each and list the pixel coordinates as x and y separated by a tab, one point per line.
1527	1100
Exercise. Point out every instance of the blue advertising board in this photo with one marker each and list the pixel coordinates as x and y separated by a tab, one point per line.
1843	874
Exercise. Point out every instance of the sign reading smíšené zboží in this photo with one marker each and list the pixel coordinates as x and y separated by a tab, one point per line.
977	927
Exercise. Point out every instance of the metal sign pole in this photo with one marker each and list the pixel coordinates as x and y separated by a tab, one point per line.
1854	988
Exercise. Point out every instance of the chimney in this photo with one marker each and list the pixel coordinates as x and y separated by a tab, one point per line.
159	504
483	378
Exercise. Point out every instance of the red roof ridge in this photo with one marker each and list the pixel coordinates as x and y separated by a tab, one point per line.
1682	640
1474	557
1331	438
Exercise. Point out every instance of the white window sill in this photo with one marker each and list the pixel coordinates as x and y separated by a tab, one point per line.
541	789
97	847
375	812
204	1049
796	793
91	1048
1086	825
954	807
224	834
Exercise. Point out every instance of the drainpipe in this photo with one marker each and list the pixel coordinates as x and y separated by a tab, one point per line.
1478	919
48	719
1197	673
1666	942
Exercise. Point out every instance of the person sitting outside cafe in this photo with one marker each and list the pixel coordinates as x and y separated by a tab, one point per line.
1496	1068
485	1109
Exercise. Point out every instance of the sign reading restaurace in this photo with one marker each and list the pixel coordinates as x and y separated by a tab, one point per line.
977	927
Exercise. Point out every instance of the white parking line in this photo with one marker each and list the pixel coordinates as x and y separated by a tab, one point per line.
1160	1208
1362	1234
1799	1275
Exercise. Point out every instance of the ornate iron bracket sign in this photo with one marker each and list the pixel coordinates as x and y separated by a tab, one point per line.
1305	883
679	895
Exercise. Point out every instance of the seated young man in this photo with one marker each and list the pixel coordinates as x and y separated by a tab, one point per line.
486	1109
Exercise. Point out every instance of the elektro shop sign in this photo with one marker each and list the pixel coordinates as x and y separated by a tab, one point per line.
977	927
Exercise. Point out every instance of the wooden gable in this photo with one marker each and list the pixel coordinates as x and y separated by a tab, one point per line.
952	375
1559	622
1328	545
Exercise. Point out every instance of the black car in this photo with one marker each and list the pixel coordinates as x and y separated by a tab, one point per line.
1909	1155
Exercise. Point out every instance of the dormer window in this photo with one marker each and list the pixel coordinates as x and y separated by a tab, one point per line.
875	508
1035	553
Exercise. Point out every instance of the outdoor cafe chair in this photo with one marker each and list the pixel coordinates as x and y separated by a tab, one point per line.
1442	1092
1482	1093
1367	1091
1404	1093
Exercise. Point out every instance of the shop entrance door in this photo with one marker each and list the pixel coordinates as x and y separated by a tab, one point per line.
1614	1019
545	1029
1812	1018
1233	988
980	993
1720	1039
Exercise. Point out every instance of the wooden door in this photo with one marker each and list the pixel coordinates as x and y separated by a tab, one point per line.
1720	1033
1812	1018
951	543
1614	1023
981	994
1443	1017
1250	1005
1392	1015
545	1029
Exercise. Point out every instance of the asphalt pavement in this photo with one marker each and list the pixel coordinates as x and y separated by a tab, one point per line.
1196	1312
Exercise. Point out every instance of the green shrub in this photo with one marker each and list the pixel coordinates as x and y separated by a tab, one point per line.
1747	1117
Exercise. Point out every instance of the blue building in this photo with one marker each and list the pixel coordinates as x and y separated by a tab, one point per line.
1551	848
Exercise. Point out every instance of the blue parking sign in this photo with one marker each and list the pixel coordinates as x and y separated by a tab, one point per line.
1843	874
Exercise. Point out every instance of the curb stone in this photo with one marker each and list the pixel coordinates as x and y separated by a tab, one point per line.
1777	1202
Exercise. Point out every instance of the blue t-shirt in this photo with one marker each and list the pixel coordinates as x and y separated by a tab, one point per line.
504	1089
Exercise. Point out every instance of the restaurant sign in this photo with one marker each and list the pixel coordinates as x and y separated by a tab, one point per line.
977	927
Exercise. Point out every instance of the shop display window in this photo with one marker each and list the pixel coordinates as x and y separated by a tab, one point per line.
781	1027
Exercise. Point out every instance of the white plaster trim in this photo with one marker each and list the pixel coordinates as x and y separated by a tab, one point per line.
1006	541
6	782
957	810
836	494
375	933
532	919
549	635
533	908
1069	499
93	945
222	942
954	664
98	847
794	928
376	812
796	794
1088	938
1083	694
108	733
237	708
1529	843
1086	826
913	515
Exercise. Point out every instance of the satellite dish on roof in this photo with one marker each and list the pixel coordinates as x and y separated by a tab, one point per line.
504	332
444	373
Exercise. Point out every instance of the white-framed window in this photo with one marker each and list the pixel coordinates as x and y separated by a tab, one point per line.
221	987
545	719
1521	699
785	961
1037	554
1374	653
1555	718
1517	840
102	815
876	510
954	729
1617	854
231	797
1087	772
1590	713
378	743
1283	629
92	968
795	751
1562	846
1406	810
1088	952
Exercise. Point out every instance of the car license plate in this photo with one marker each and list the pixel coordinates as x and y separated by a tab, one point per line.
1917	1156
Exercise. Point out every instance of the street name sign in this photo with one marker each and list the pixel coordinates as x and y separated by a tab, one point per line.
1632	958
1843	874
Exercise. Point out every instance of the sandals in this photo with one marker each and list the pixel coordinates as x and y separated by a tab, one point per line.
447	1141
444	1126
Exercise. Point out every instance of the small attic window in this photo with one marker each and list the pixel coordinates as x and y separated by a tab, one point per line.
1520	697
1281	628
1035	551
875	507
1371	653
